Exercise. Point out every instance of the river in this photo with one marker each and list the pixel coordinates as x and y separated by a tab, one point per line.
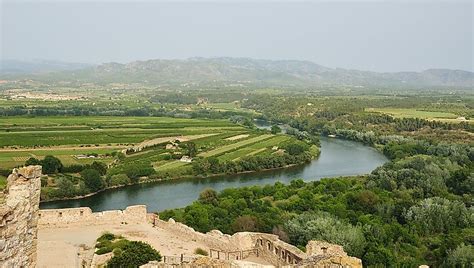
338	158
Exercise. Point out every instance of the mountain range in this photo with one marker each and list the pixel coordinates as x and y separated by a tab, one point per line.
239	71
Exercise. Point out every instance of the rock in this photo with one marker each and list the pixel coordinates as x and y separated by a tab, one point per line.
19	218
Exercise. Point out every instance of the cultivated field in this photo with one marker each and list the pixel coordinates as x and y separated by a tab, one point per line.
82	140
414	113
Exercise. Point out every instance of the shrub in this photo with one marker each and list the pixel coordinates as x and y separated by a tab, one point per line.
326	227
119	179
92	179
200	251
106	237
134	254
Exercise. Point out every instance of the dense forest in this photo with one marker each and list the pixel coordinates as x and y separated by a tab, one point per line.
415	209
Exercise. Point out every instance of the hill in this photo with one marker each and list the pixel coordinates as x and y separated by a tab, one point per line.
252	72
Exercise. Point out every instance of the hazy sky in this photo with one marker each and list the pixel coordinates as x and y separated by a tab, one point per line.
369	35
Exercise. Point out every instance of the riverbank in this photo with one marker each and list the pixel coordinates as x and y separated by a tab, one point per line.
338	158
144	181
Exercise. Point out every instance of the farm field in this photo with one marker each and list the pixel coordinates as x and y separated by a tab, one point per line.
81	140
414	113
12	158
235	145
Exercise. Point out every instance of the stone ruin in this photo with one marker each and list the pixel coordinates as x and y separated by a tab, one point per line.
21	218
232	250
19	205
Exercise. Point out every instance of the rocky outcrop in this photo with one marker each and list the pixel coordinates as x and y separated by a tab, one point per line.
19	218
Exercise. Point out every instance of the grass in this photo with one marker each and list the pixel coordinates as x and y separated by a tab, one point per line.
254	149
10	159
234	145
3	182
65	137
170	165
103	121
401	112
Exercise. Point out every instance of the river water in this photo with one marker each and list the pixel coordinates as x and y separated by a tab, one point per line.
338	158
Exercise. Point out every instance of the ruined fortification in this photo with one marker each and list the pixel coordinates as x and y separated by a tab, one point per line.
19	218
84	216
241	245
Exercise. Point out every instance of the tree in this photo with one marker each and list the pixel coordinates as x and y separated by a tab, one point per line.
296	148
134	254
92	179
245	223
65	188
462	256
32	162
326	227
436	215
275	129
191	149
208	196
51	164
100	167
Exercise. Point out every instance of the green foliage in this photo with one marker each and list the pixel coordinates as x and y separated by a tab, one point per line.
462	181
438	215
200	251
32	161
100	167
50	164
106	237
462	256
119	179
125	253
245	223
92	179
208	196
326	227
3	182
190	149
296	148
134	254
275	129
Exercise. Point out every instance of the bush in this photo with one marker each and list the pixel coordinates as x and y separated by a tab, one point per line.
134	254
462	256
103	250
326	227
119	179
106	237
200	251
92	179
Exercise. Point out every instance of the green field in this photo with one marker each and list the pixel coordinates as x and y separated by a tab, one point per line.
235	145
69	137
255	148
414	113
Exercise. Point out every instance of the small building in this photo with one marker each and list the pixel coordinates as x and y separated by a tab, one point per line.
171	146
186	159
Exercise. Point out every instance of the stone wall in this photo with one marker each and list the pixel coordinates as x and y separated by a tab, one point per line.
19	218
84	216
213	239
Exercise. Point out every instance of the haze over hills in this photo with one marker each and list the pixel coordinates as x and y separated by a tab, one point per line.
38	66
245	71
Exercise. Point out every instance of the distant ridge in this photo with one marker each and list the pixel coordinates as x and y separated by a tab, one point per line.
38	66
255	72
